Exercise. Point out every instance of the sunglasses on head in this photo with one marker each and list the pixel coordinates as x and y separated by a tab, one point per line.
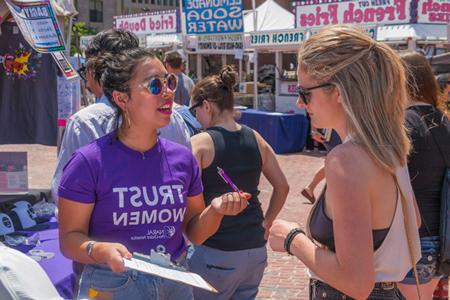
156	84
82	72
193	108
305	93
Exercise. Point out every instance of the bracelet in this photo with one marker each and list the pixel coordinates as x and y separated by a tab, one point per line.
290	237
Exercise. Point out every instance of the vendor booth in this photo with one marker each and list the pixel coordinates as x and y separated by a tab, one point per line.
212	47
32	66
275	42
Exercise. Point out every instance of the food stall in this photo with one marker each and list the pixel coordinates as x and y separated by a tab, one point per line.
284	45
276	42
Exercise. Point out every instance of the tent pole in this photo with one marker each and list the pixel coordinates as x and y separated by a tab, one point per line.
255	60
224	60
69	36
199	67
255	80
240	70
278	66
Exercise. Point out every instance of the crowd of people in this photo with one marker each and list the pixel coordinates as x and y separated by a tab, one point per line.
138	171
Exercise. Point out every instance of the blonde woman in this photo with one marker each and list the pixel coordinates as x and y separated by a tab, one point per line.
362	233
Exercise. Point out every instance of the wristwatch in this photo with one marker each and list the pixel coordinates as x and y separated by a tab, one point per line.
90	248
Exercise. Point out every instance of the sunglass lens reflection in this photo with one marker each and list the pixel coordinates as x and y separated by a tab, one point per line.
172	82
155	86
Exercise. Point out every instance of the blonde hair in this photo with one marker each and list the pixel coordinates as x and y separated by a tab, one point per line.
372	82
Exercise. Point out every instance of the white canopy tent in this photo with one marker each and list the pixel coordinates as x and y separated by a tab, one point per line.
269	16
164	41
418	32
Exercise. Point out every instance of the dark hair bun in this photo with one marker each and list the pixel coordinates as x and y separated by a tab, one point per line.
228	76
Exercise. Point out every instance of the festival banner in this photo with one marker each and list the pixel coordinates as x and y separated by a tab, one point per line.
38	24
219	44
433	11
371	30
159	22
310	14
277	38
213	16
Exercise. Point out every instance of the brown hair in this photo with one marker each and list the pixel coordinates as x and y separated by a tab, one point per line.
217	89
173	59
422	85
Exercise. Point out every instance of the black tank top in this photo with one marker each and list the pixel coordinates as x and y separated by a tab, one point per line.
237	153
426	164
321	227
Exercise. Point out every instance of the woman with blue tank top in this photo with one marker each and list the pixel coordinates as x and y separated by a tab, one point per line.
362	234
234	258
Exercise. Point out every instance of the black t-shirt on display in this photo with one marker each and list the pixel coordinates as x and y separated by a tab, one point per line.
28	91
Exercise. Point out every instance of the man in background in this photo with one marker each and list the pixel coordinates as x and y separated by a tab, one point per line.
174	64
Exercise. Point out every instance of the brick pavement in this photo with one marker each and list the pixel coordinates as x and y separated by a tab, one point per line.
285	277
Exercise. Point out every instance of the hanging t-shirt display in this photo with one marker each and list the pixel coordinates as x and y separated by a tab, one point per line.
28	94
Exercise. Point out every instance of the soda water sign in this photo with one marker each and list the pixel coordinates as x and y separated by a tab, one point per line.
213	16
360	12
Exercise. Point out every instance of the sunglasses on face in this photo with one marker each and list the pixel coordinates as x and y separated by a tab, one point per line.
305	93
156	85
193	108
82	72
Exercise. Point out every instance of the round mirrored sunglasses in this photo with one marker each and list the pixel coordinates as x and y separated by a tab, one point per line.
156	84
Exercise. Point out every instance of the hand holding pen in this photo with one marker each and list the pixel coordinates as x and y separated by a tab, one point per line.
230	203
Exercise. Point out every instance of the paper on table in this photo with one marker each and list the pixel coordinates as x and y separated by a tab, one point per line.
172	274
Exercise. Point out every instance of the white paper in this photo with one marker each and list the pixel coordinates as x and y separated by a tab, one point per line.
172	274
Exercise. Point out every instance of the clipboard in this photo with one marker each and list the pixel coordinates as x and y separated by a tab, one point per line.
159	264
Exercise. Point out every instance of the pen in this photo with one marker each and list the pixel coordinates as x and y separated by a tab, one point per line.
227	179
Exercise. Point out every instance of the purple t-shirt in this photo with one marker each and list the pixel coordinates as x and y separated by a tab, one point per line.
140	198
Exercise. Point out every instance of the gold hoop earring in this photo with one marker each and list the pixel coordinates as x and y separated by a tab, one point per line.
127	119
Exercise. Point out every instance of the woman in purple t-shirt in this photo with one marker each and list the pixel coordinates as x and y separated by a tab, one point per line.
131	191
